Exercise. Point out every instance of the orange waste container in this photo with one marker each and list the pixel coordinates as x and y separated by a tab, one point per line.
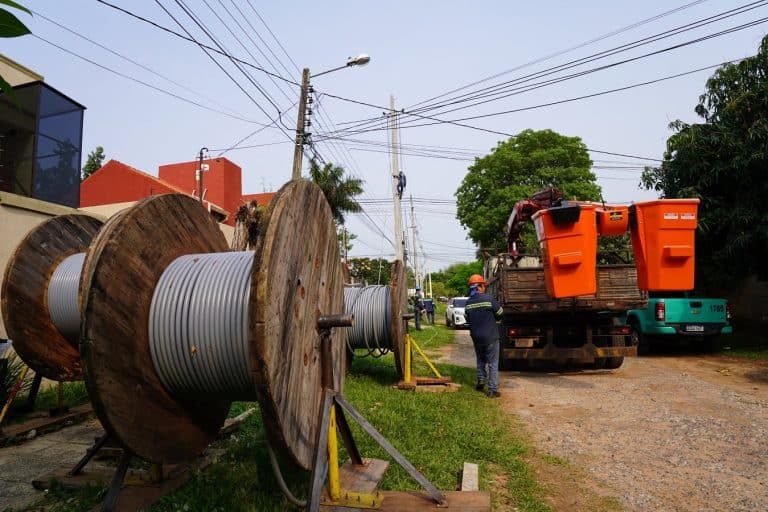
663	234
568	238
612	220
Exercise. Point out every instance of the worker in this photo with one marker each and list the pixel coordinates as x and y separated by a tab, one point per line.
417	307
481	313
429	308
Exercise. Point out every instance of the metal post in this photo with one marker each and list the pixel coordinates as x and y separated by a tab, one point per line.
399	253
416	270
199	174
298	151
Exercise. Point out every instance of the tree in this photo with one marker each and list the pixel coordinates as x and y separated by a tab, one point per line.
515	169
370	271
723	162
94	161
345	240
11	26
340	191
455	277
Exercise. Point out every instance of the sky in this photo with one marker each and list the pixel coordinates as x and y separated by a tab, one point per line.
419	51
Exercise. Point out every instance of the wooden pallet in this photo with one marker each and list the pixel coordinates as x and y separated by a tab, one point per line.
42	423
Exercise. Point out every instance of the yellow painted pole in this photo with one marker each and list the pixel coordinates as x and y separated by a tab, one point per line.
434	370
334	486
13	392
407	359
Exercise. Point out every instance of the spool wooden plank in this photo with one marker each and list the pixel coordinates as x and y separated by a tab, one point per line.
398	289
25	295
297	278
120	273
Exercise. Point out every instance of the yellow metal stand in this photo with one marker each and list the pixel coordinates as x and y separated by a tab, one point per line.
409	340
337	497
13	392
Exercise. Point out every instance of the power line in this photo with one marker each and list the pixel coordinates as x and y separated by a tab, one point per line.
146	84
193	40
206	51
377	122
562	52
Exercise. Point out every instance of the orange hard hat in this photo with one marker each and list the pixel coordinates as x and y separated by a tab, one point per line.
476	279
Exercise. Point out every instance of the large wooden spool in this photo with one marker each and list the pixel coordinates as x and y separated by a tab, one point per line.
25	300
296	278
398	288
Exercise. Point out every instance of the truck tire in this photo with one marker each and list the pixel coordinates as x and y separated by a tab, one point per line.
642	341
611	363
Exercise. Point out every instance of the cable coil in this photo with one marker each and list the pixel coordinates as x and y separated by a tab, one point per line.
372	329
63	302
198	325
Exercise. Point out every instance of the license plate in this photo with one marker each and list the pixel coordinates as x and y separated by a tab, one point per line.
694	328
524	342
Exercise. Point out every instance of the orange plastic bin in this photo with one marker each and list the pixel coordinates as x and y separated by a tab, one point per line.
612	220
663	234
568	238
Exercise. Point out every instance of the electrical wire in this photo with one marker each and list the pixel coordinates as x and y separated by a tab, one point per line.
192	40
146	84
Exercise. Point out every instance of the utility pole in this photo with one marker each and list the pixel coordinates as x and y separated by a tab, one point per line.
395	152
298	151
416	271
199	174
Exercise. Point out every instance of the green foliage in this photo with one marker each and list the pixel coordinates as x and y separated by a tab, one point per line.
339	190
455	277
515	169
345	239
370	271
11	26
723	162
9	375
94	161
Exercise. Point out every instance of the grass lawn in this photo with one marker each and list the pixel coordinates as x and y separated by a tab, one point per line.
437	432
750	342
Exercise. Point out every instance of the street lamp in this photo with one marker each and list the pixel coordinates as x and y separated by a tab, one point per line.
298	152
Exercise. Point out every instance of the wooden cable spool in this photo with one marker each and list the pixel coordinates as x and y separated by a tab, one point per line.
296	277
24	295
398	289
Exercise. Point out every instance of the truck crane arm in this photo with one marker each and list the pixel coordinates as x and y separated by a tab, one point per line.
524	210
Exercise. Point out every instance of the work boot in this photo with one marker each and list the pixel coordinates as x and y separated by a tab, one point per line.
494	394
480	385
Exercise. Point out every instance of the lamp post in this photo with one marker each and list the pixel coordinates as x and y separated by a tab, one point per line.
199	174
298	152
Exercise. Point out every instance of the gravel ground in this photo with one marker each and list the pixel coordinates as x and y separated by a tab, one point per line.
672	433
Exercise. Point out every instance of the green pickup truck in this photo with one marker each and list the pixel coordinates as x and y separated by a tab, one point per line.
673	316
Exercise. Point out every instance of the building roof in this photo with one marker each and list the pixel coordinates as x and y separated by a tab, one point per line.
263	198
211	206
16	74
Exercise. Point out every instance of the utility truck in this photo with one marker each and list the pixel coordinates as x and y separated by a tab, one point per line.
673	316
561	306
537	328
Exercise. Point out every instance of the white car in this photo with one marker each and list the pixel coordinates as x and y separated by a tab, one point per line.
454	314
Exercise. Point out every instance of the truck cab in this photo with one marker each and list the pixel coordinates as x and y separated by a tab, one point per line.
679	315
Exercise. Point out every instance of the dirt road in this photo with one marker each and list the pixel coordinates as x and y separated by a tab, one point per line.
672	433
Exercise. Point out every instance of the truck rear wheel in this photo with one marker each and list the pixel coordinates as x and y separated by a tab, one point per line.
611	363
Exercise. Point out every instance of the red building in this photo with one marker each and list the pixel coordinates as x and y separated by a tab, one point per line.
116	182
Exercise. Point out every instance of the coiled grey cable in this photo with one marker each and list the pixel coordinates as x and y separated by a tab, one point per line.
63	303
372	329
198	325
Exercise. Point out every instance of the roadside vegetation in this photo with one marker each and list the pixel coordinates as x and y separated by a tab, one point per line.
437	432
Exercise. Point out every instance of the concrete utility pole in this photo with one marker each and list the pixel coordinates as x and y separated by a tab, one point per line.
199	174
395	152
416	270
298	151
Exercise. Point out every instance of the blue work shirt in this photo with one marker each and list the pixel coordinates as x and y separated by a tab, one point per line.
481	312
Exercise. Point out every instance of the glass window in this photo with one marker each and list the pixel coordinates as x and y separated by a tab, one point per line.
59	146
17	139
